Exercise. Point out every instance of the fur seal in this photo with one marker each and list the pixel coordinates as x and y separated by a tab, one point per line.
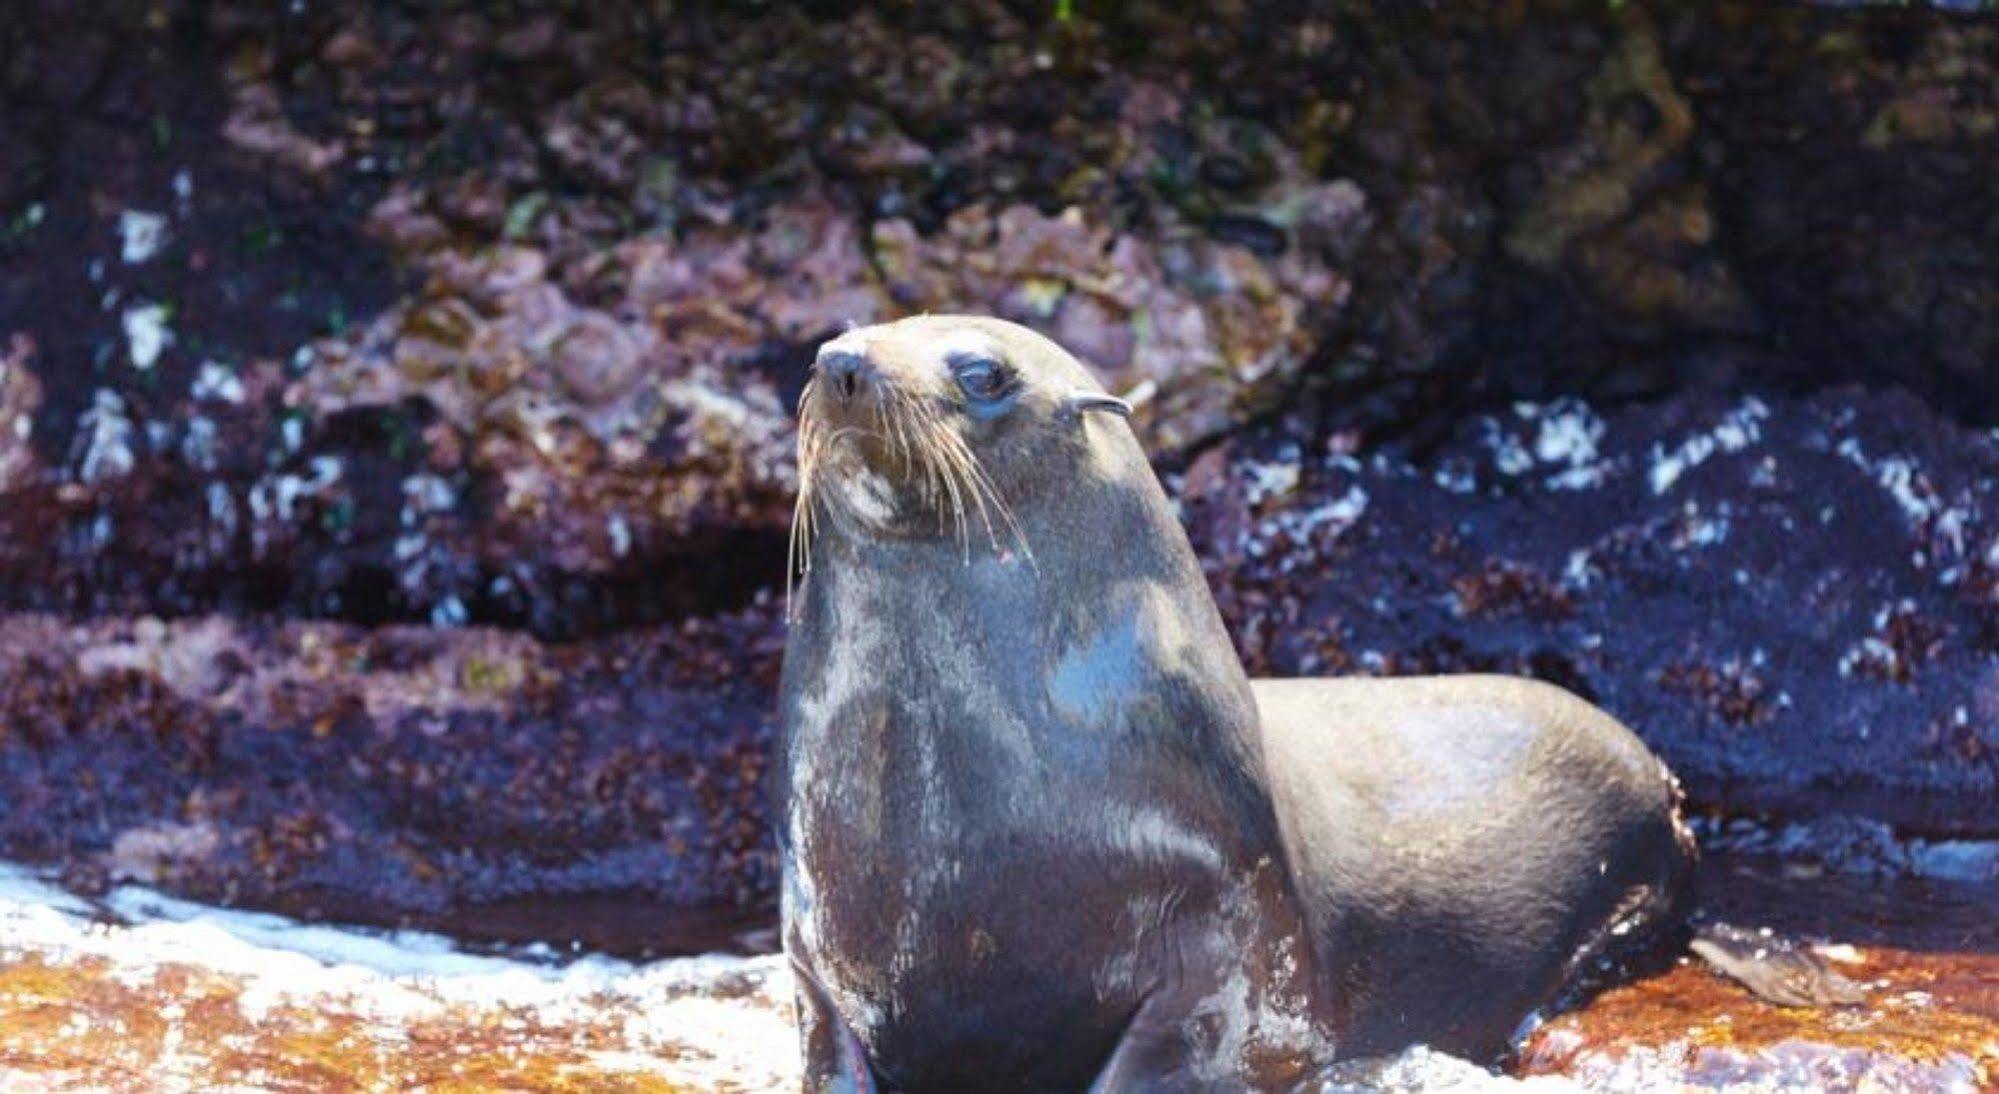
1039	831
1025	839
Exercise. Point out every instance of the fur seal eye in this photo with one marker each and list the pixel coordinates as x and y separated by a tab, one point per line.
982	379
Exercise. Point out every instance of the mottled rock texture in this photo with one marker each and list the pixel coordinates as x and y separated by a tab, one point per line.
1645	347
1792	599
1928	954
611	232
1796	601
472	778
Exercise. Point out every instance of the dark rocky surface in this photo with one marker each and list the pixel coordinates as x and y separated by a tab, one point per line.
395	457
1796	601
609	793
1792	599
466	315
381	315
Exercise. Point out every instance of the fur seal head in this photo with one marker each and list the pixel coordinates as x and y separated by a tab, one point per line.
946	426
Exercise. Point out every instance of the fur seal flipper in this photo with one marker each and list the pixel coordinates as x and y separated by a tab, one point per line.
1777	969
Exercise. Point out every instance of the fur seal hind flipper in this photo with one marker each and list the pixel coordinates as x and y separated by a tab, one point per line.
1774	968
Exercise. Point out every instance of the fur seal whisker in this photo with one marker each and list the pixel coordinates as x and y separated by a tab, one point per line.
979	483
909	428
976	473
946	453
951	461
814	440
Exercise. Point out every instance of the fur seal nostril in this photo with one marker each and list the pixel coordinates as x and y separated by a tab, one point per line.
845	370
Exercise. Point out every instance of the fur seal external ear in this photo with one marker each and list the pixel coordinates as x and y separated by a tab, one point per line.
1080	401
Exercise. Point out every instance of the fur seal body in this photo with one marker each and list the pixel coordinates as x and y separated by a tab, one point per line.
1038	830
1025	836
1468	848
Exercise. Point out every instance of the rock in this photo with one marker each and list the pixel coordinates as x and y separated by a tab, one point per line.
20	399
403	775
211	997
1924	953
1218	330
442	317
1857	210
1791	600
141	991
605	436
617	245
257	125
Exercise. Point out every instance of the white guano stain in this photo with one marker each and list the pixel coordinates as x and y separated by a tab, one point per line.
1737	430
146	334
141	236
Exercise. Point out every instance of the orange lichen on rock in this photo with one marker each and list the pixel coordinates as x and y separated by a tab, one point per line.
201	1006
89	1025
1931	1022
